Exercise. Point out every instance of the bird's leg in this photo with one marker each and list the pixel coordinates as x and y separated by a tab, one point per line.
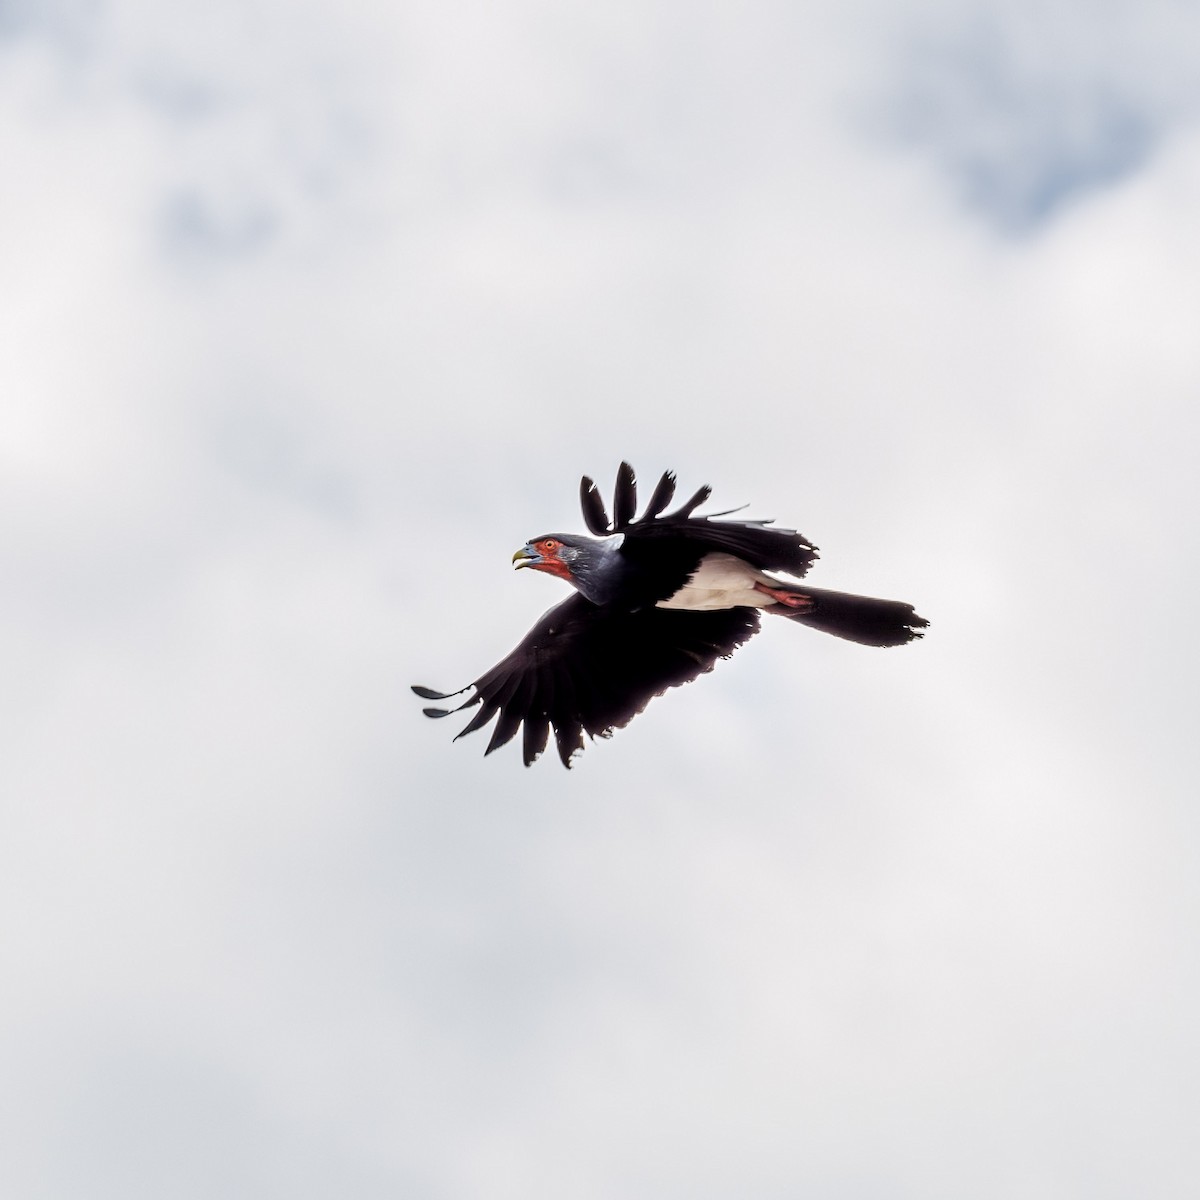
785	596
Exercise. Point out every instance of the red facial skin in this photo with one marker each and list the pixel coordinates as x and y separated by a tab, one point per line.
548	548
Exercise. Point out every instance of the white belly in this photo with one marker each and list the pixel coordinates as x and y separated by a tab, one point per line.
721	581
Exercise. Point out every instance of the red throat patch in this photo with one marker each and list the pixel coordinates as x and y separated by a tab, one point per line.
548	548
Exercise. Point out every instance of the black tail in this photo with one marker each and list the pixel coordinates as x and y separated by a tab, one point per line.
859	619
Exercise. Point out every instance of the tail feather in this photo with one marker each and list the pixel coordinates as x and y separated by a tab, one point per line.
861	619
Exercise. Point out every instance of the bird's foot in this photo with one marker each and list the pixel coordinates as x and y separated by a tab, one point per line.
784	596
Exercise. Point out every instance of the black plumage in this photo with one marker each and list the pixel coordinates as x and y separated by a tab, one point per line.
584	669
659	600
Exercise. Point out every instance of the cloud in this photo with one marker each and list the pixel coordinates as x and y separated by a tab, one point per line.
1021	149
1029	109
314	316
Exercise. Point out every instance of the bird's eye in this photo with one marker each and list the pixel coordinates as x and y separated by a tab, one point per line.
550	544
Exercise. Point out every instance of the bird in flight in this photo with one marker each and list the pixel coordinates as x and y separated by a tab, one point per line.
658	599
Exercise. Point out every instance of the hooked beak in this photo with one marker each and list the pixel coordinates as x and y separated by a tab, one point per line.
527	556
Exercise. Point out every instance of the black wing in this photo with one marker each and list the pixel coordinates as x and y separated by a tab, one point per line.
584	668
667	547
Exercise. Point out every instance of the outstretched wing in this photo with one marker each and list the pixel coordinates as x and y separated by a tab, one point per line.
584	668
668	546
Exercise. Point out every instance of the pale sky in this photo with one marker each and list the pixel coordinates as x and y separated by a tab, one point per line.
312	315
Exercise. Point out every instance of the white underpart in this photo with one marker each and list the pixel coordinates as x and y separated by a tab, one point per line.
722	581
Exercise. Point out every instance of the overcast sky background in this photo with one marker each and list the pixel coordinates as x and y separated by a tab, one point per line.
312	313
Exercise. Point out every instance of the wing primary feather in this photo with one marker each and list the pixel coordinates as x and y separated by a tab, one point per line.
496	701
481	718
537	734
562	705
513	710
624	497
568	737
725	512
506	728
446	712
662	496
429	694
594	515
694	503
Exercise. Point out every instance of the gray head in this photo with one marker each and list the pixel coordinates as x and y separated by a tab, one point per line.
594	565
